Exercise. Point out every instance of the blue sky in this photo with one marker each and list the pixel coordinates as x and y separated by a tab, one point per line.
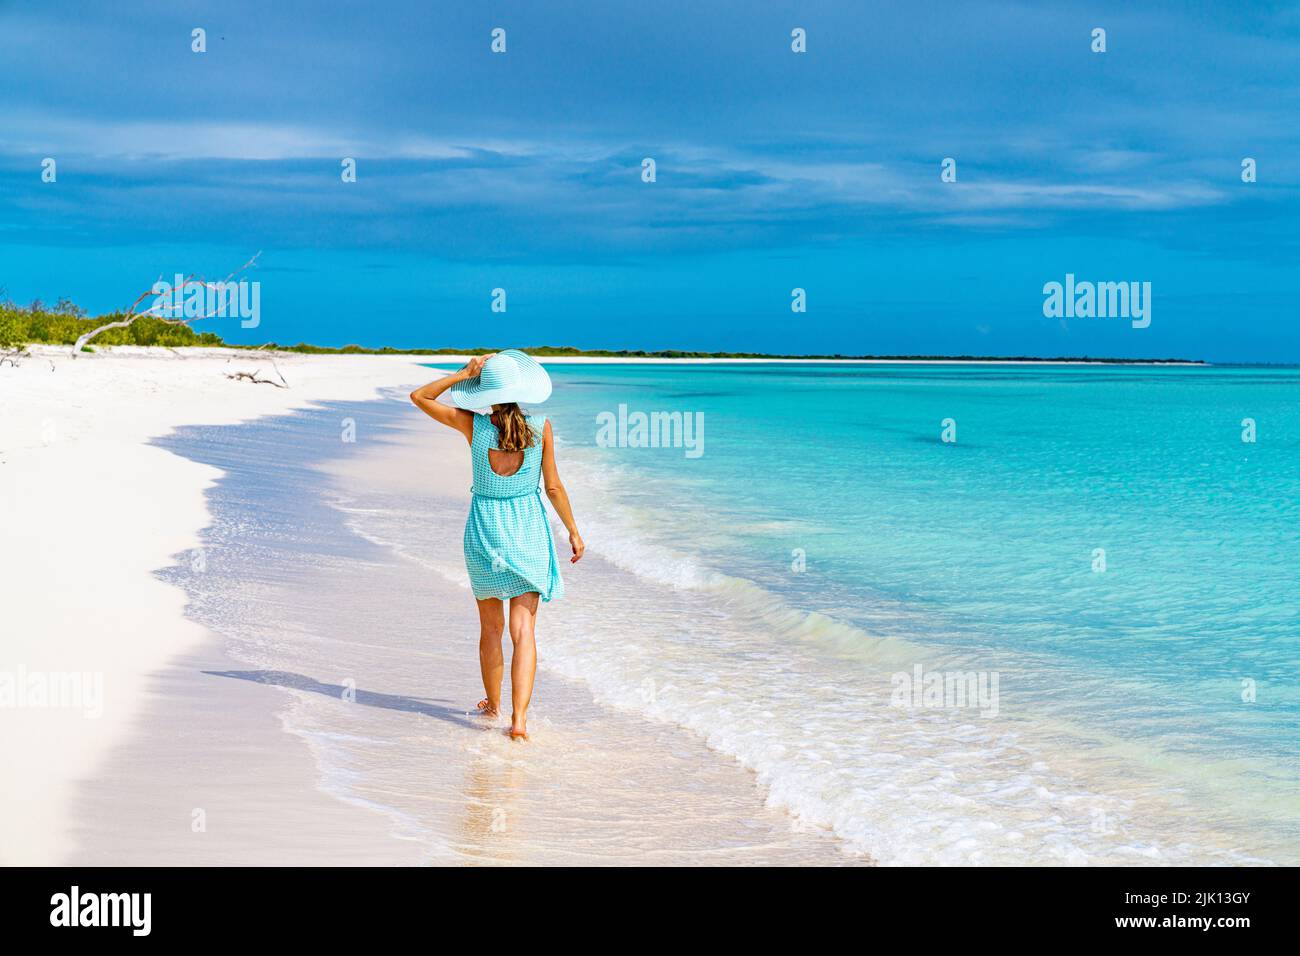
775	170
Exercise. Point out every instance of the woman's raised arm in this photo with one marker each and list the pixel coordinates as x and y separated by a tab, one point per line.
426	398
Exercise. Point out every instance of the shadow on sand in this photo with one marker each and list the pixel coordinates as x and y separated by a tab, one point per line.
411	705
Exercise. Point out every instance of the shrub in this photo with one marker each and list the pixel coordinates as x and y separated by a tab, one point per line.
65	323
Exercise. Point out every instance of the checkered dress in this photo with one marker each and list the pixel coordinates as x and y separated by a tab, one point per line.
508	546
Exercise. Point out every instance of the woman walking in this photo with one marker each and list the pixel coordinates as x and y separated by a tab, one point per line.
509	551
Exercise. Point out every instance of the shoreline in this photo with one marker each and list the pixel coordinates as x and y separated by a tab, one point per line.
307	599
186	765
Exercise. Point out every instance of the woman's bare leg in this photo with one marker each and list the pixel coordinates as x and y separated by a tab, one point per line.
491	620
523	662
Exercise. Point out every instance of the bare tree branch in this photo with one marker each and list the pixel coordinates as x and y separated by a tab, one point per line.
132	314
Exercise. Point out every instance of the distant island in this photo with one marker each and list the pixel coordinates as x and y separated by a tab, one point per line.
64	322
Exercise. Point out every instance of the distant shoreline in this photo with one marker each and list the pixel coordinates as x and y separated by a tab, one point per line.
65	324
792	360
551	353
575	357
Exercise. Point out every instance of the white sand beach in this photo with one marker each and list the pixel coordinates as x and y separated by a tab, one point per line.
90	509
165	720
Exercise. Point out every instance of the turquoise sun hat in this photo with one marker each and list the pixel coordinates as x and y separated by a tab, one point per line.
509	376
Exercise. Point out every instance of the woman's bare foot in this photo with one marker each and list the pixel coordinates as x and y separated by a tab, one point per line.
486	708
518	730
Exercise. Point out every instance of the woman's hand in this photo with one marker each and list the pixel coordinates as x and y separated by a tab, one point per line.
575	542
475	365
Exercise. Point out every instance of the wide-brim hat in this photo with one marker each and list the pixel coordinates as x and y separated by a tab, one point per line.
509	376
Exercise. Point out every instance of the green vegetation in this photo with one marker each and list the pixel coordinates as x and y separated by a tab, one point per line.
64	322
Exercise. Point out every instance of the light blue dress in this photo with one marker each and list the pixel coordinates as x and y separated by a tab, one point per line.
508	546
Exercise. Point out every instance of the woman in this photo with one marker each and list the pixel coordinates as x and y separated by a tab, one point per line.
508	547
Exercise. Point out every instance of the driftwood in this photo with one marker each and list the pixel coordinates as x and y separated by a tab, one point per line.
271	358
252	377
13	355
132	314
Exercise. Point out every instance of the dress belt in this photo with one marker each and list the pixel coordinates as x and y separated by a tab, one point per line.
478	494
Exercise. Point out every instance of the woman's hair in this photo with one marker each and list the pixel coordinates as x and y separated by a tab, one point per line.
513	430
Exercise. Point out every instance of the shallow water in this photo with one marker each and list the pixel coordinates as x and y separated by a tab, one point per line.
1146	710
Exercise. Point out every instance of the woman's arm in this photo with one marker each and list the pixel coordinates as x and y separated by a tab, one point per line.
559	497
426	398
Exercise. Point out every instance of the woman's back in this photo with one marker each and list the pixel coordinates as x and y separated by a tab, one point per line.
485	450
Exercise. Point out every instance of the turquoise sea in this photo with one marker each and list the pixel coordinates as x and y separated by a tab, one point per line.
1095	553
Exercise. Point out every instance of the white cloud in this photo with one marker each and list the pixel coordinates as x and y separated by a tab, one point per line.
210	139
